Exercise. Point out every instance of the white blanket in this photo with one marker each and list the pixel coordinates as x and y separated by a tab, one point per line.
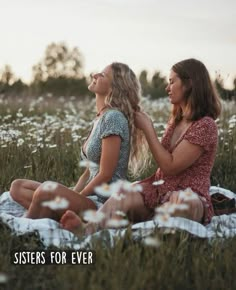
50	232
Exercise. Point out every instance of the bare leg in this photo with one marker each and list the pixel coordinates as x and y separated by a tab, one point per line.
132	205
195	209
76	201
22	191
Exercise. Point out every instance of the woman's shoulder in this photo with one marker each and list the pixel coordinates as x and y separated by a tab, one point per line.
207	122
114	114
203	132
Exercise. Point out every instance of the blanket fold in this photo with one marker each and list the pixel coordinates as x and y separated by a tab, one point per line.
50	232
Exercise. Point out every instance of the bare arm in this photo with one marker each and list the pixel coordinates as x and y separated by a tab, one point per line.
82	181
108	163
184	155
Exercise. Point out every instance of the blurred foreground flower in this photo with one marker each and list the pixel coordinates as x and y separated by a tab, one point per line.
188	194
57	203
170	208
49	186
158	182
116	223
115	189
128	186
120	213
3	278
104	190
162	218
20	142
118	196
93	216
152	242
87	163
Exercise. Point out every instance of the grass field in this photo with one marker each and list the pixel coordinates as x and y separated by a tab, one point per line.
40	139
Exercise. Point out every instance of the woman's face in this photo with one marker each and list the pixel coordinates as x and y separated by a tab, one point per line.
101	82
175	89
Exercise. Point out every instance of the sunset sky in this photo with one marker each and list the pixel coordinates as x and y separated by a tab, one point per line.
145	34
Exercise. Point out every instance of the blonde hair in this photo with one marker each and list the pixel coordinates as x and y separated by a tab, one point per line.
125	96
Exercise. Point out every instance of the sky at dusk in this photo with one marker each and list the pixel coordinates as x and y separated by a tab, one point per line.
145	34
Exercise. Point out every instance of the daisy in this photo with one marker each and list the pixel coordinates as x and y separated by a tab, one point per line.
188	194
93	216
158	182
116	223
49	186
152	242
3	278
87	163
57	203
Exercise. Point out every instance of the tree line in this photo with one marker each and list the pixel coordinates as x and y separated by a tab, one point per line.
60	73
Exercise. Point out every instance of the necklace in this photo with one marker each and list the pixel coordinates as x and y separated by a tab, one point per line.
102	109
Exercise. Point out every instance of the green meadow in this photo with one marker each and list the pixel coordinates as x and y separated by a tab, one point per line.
40	139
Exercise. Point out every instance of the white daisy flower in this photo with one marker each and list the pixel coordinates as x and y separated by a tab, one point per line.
162	218
188	194
57	203
165	209
52	146
170	208
131	187
120	213
87	163
152	242
158	182
3	278
93	216
20	142
49	186
182	206
104	190
118	196
169	231
27	166
116	223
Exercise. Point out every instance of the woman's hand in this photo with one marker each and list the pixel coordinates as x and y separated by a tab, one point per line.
142	121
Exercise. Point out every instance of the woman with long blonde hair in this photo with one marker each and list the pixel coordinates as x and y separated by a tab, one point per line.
113	145
185	155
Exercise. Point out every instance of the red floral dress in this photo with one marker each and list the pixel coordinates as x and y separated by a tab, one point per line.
202	132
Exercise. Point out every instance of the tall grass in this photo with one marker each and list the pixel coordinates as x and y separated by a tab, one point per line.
41	140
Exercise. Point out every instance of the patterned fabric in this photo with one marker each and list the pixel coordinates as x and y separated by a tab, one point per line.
50	232
112	122
202	132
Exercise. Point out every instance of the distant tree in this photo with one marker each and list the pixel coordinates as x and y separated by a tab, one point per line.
7	76
145	85
59	61
19	88
10	85
59	72
224	93
158	85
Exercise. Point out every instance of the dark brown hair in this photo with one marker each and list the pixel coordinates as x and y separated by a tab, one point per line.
201	98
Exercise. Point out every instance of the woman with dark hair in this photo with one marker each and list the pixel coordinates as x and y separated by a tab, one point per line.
185	155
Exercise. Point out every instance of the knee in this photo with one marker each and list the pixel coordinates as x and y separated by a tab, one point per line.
197	211
15	188
41	194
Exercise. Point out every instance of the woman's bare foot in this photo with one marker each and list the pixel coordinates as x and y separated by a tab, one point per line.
71	221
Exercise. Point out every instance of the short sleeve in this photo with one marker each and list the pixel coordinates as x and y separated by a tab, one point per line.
114	123
203	132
